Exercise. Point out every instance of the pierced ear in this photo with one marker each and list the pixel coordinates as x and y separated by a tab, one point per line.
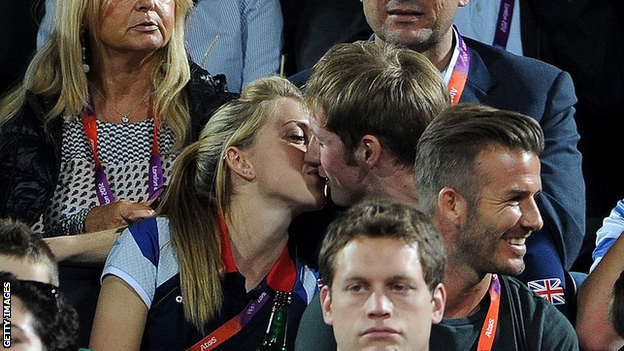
370	150
438	300
236	160
452	206
325	299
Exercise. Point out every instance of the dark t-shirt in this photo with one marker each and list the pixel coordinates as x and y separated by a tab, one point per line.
522	327
530	324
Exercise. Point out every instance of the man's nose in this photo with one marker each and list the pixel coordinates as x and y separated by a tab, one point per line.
313	155
378	305
531	217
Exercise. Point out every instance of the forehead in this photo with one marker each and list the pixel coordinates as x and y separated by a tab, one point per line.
505	168
317	127
317	120
284	110
26	269
378	258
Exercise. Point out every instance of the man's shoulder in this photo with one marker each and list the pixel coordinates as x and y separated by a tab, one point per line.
492	57
516	289
526	306
534	319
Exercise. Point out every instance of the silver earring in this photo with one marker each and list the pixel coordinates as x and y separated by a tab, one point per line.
244	171
165	67
83	48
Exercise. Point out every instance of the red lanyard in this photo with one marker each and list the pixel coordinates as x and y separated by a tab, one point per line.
102	187
488	332
282	277
460	71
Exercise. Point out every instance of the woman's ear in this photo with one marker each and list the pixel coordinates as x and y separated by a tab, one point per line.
237	162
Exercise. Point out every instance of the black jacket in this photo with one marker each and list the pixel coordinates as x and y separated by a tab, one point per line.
30	150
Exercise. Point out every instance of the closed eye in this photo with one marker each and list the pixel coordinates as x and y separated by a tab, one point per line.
298	139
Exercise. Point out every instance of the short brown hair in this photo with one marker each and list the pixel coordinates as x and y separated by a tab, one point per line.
448	149
361	88
385	219
18	240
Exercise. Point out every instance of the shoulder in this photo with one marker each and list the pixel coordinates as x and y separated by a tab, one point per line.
29	120
500	63
149	235
29	159
143	257
516	289
510	82
536	313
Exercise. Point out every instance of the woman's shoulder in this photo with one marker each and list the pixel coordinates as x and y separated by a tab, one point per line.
148	239
150	234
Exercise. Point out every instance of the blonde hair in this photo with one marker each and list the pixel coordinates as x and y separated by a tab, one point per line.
200	191
56	69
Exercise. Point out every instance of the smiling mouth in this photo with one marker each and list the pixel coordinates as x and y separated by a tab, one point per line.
516	241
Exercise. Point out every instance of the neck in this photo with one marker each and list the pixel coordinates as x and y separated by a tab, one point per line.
115	79
465	291
122	88
258	235
394	182
439	53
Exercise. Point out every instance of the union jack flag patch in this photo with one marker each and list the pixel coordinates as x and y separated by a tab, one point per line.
549	289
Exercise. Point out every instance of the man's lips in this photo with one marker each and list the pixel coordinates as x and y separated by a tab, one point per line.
379	332
315	172
517	244
404	15
516	239
323	176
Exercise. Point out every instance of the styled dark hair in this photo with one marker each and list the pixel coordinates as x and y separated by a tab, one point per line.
18	240
385	219
448	149
616	309
55	321
361	88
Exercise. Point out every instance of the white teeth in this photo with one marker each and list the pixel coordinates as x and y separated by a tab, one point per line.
516	241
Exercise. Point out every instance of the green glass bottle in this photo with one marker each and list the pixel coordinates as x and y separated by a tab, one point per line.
275	338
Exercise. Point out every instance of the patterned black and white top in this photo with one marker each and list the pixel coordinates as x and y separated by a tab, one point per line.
124	151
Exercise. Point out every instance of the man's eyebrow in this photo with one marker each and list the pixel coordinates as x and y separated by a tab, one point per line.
354	278
398	277
522	192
